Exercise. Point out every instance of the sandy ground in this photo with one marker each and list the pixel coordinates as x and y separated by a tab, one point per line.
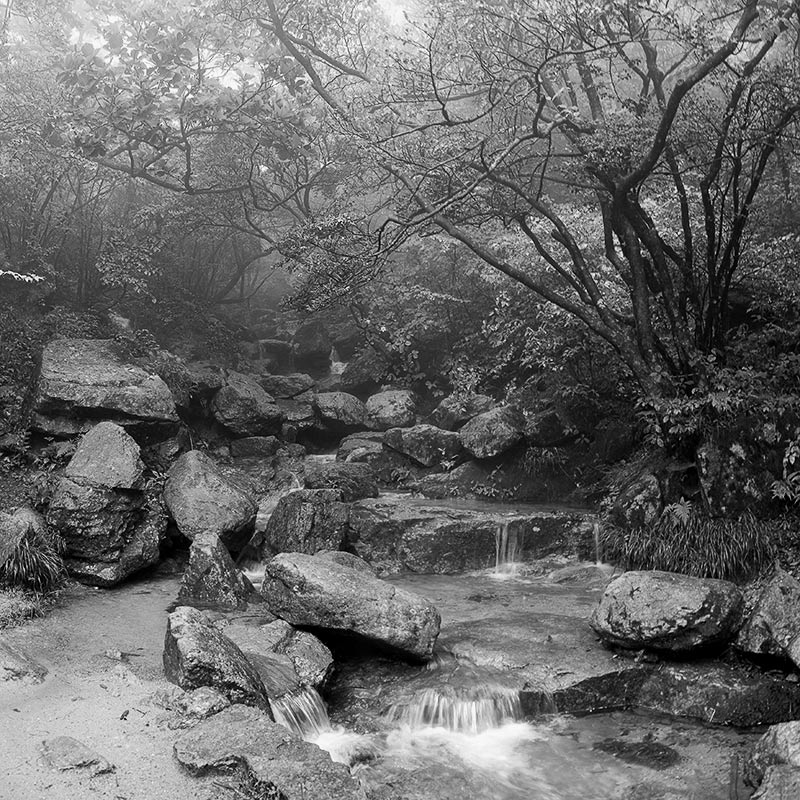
93	696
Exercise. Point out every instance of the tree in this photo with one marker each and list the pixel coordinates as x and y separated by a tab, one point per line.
625	146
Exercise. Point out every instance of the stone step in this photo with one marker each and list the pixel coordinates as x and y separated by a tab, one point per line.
399	533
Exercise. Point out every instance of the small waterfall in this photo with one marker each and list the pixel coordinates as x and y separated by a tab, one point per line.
466	712
303	712
508	549
598	553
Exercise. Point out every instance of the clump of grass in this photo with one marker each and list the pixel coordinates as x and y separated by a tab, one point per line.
36	562
690	543
17	605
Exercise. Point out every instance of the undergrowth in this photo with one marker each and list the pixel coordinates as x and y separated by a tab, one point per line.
36	562
693	544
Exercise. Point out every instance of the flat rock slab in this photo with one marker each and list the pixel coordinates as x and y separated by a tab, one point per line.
403	534
17	665
275	757
63	753
707	692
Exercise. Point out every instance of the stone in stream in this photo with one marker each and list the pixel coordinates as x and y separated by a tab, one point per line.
272	756
707	692
352	481
63	753
426	444
456	410
201	499
493	432
83	380
211	577
110	527
669	612
307	520
198	654
340	412
346	560
401	533
395	408
774	624
286	387
255	447
242	407
336	600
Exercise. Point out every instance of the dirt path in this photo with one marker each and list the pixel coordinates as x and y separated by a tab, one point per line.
93	696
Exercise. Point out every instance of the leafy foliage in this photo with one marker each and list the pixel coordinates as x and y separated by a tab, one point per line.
687	542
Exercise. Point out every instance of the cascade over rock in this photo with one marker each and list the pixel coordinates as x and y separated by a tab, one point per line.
334	599
83	380
666	611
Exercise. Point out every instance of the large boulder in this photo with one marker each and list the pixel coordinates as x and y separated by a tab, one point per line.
425	444
255	447
780	783
493	432
202	500
311	346
456	410
110	526
307	520
211	577
277	762
242	407
336	600
354	481
340	412
774	624
667	612
395	408
361	447
83	380
639	504
197	654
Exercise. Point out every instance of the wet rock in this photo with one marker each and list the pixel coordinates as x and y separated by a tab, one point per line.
274	757
346	560
493	432
207	379
110	527
780	745
83	380
395	534
286	387
549	429
211	577
774	623
197	654
255	447
667	612
63	753
325	596
458	409
647	754
17	665
353	481
244	408
298	415
340	412
107	456
396	408
202	500
307	520
639	505
425	444
709	692
202	702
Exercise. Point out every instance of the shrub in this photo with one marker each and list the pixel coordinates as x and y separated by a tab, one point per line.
686	542
36	563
